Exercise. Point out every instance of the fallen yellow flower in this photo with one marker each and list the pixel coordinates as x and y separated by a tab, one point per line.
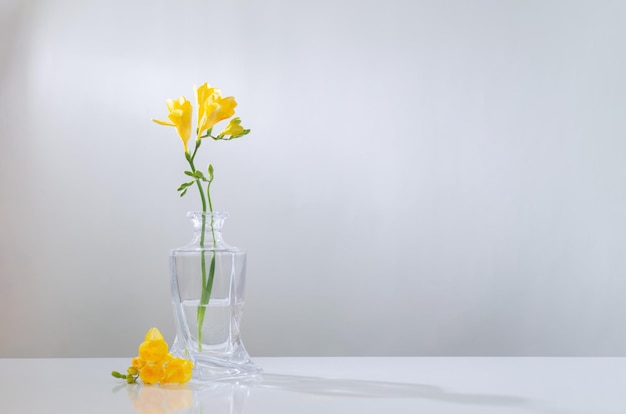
153	351
154	335
152	373
137	362
155	364
178	370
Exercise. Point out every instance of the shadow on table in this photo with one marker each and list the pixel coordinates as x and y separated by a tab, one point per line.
231	396
380	389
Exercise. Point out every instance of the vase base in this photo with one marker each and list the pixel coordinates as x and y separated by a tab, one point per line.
204	371
215	366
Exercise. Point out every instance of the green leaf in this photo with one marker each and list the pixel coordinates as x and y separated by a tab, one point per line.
184	192
199	175
189	173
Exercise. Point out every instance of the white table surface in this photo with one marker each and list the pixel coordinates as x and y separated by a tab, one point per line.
328	386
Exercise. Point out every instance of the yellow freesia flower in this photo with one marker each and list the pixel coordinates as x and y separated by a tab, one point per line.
212	107
203	93
178	370
180	113
152	373
137	362
153	351
233	128
154	334
155	364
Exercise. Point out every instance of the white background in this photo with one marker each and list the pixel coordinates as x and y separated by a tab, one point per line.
422	177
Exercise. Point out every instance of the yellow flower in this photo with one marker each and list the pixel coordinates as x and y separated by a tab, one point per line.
155	364
178	370
137	362
152	373
153	351
203	93
233	128
154	334
212	107
180	112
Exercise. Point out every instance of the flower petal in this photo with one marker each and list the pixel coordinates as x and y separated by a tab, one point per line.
154	335
152	373
233	128
153	351
178	370
158	121
180	112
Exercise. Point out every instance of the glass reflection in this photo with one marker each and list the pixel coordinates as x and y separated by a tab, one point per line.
215	398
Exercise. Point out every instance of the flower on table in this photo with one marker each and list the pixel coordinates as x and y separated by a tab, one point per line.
178	370
137	363
152	373
153	350
155	364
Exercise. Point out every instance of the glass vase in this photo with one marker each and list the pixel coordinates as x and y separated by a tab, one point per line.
208	284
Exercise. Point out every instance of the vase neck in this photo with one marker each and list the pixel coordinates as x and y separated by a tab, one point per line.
207	228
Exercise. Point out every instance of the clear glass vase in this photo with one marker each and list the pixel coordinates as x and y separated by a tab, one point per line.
208	283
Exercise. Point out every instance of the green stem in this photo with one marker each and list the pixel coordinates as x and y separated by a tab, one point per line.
207	283
208	193
203	301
